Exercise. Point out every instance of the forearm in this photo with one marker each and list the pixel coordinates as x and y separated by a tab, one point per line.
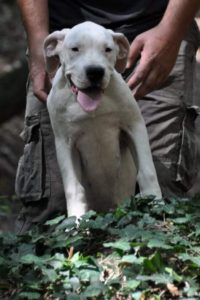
178	16
36	21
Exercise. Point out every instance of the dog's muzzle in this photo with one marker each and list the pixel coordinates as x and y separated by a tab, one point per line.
89	97
95	74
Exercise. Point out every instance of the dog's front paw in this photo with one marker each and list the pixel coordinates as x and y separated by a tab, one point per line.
76	203
77	210
152	192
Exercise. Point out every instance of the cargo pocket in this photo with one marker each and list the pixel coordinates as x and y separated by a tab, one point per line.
187	167
30	182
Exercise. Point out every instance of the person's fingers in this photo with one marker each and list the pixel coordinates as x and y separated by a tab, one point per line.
39	87
134	53
153	81
141	72
41	95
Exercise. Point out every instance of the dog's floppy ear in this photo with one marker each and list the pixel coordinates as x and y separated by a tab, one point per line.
52	47
124	47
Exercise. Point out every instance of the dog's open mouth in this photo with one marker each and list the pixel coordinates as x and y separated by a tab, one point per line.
89	98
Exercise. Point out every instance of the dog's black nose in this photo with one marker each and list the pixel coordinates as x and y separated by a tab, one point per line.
95	73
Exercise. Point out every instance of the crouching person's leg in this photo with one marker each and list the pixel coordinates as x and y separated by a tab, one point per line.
170	117
38	182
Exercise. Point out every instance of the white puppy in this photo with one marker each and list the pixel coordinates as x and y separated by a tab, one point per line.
100	135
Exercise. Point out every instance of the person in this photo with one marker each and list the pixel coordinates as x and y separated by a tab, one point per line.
163	42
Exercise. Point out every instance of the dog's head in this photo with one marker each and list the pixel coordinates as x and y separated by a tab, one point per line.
88	54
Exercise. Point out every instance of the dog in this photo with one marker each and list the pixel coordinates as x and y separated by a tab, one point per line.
100	136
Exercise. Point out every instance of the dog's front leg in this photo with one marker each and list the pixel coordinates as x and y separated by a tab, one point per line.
70	169
139	147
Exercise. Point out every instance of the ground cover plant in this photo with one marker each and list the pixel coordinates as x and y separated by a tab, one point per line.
142	250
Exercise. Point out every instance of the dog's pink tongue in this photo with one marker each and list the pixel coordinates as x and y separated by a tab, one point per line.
88	103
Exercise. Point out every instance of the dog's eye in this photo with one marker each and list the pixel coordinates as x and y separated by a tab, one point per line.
75	49
108	49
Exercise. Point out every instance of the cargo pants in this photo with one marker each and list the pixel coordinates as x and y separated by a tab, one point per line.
169	115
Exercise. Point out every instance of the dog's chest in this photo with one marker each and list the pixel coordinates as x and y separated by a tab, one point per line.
76	123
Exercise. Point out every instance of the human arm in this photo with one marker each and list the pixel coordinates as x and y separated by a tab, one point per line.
36	22
158	47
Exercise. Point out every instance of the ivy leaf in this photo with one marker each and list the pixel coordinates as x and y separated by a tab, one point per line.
51	274
191	287
94	290
88	215
75	283
73	297
197	229
67	224
29	295
119	244
153	263
130	232
33	259
183	220
156	243
194	259
89	275
55	221
57	261
146	220
132	259
138	295
156	278
173	275
132	284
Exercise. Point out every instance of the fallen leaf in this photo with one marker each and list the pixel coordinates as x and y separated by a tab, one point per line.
173	290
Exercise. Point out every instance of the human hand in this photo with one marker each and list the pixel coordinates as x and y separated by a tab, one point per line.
157	49
39	77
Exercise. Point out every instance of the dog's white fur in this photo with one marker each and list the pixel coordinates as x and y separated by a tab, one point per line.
101	152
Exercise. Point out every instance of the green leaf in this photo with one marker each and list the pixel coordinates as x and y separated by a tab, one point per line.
132	250
137	295
132	259
51	274
130	232
119	244
57	261
156	243
88	215
88	275
94	290
132	284
197	229
194	259
156	278
74	240
153	263
29	295
76	257
75	283
74	297
55	221
33	259
183	220
173	275
120	212
191	288
67	224
146	220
